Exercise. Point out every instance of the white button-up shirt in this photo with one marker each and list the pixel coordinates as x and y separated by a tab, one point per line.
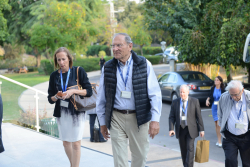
237	117
154	92
186	102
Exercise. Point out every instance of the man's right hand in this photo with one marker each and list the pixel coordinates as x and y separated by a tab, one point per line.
171	133
104	131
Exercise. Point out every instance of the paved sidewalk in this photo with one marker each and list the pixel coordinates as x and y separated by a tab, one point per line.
27	148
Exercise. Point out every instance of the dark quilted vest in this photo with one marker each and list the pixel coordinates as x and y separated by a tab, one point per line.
139	81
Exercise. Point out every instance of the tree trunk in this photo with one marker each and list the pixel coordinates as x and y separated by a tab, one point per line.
229	78
38	58
141	49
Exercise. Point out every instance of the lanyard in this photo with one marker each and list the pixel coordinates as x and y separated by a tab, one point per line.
183	108
127	72
64	90
240	111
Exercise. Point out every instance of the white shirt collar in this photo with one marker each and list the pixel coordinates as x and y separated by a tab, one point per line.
120	63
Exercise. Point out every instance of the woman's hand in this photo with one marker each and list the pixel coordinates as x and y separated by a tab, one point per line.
207	103
68	94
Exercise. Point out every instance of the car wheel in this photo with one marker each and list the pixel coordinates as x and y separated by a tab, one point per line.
174	96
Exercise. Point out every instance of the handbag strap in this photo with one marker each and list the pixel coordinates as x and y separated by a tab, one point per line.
77	75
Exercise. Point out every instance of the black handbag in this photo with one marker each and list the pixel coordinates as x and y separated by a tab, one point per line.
80	103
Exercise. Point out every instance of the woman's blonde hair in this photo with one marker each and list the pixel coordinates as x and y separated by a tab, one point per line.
65	50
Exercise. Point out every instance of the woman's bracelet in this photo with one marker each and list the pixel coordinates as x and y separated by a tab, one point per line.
56	97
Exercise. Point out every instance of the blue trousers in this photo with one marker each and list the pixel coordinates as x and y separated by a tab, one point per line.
92	118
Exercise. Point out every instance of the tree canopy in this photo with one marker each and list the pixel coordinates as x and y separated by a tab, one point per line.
205	31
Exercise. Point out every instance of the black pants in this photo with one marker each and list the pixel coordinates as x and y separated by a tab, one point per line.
1	117
187	147
231	144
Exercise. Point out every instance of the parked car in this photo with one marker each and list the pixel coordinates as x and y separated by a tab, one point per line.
199	84
171	53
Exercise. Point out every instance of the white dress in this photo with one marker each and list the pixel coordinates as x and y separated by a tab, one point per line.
70	127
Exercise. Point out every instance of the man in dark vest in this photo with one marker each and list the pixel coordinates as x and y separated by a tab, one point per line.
129	103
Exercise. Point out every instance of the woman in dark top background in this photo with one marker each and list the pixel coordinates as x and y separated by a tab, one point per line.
70	122
1	117
216	91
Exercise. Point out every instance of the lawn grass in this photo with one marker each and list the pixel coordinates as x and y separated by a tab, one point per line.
10	92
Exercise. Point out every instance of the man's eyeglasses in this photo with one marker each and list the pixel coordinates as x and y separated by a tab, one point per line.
118	45
236	95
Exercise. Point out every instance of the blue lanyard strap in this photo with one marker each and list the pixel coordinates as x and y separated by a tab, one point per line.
240	111
64	88
125	82
183	108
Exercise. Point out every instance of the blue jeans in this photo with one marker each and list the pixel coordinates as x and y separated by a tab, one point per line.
92	118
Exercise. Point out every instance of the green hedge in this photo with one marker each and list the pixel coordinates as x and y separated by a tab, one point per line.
89	64
154	59
148	50
32	69
95	49
47	66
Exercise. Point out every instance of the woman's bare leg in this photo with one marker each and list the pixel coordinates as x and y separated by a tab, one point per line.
69	150
76	154
217	127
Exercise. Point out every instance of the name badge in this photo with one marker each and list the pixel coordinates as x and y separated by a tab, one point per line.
239	126
183	118
216	102
64	104
126	94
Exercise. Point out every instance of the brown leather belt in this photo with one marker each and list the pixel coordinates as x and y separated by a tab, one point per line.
125	111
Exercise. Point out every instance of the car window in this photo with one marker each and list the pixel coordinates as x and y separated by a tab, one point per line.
194	77
164	78
171	78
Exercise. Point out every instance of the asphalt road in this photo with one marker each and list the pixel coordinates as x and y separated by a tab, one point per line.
163	138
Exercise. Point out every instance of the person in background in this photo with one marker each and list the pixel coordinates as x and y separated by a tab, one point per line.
1	117
234	117
101	62
92	117
70	122
185	118
215	92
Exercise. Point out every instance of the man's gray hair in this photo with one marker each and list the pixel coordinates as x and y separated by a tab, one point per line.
234	84
127	37
184	86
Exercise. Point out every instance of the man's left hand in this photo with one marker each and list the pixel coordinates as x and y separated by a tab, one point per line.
202	134
154	128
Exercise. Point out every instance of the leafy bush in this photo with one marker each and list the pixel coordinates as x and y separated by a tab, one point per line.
47	66
95	49
32	69
154	59
102	53
148	50
14	63
90	64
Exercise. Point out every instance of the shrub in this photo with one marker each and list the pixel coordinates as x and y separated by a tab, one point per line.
148	50
32	69
102	53
90	64
95	49
154	59
47	66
